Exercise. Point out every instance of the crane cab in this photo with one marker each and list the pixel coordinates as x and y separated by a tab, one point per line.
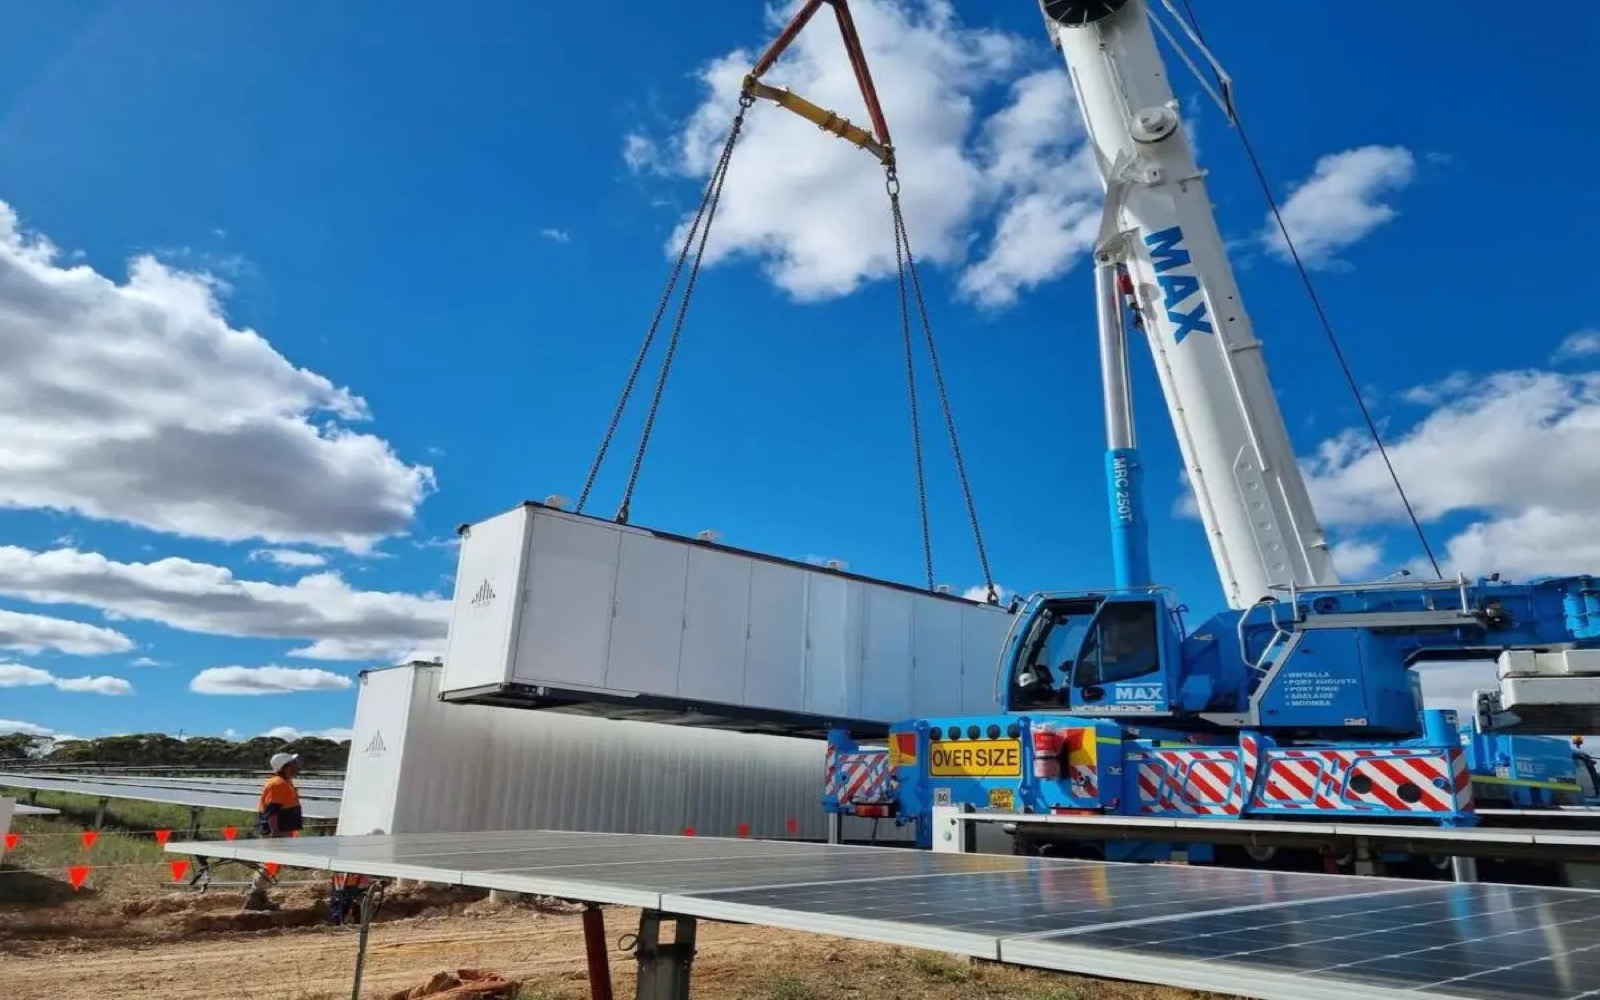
1094	654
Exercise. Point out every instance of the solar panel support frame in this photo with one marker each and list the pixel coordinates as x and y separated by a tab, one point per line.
664	968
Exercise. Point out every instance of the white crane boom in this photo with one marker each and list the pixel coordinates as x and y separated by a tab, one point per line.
1160	226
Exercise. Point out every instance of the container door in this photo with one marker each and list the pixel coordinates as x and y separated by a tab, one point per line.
774	674
715	628
647	630
566	622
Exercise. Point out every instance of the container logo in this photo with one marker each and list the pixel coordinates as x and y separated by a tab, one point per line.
484	595
375	746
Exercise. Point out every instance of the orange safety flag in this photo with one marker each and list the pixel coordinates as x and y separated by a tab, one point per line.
162	836
688	831
11	841
744	829
271	868
228	833
179	869
89	837
77	875
793	825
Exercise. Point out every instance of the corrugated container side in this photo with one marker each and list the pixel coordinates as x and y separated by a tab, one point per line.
477	767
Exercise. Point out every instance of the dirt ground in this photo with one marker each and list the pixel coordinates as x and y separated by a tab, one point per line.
189	946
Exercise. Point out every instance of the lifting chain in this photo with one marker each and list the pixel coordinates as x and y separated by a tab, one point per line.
907	265
701	227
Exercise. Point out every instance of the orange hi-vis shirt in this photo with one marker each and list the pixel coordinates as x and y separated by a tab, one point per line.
279	798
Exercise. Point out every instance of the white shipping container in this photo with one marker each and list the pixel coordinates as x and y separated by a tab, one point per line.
577	613
421	765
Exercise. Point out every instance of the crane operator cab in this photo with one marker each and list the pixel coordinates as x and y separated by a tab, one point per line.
1093	653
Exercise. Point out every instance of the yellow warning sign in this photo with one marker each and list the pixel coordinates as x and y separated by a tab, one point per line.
975	759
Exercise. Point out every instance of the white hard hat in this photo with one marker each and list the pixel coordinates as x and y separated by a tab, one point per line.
280	759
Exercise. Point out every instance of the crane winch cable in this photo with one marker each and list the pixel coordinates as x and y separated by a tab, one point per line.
875	141
1316	301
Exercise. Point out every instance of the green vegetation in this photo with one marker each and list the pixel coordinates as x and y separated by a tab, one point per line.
160	750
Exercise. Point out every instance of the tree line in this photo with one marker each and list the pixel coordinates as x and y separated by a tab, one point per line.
160	750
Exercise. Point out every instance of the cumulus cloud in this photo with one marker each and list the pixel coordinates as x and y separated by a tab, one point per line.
19	675
266	680
290	558
31	633
336	733
200	597
1583	344
1342	201
1355	559
812	210
1517	451
139	403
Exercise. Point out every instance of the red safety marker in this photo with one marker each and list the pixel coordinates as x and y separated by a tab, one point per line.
272	868
793	825
179	869
162	836
688	831
89	837
77	875
744	829
228	833
11	841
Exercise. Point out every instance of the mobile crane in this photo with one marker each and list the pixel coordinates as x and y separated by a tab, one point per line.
1301	700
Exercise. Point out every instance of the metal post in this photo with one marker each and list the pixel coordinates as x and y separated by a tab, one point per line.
594	943
194	822
664	968
835	828
1366	861
1464	869
100	813
369	906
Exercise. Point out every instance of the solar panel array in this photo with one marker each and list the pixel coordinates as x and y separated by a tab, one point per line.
1269	935
205	793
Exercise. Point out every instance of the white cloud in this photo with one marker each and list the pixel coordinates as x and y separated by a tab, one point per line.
30	729
812	209
35	633
336	733
640	152
95	685
555	235
16	675
199	597
1583	344
1451	685
1342	201
209	431
19	675
145	661
266	680
290	558
1518	450
1355	559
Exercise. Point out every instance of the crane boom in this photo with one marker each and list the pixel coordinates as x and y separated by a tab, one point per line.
1160	232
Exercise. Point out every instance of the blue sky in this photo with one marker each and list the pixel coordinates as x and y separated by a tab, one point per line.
447	231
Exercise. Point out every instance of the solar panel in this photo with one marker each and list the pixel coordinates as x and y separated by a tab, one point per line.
241	799
1274	935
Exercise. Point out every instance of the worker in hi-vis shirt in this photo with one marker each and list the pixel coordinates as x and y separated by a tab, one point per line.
277	815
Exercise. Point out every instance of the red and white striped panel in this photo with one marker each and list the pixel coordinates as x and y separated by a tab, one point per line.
1369	780
1191	782
858	777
